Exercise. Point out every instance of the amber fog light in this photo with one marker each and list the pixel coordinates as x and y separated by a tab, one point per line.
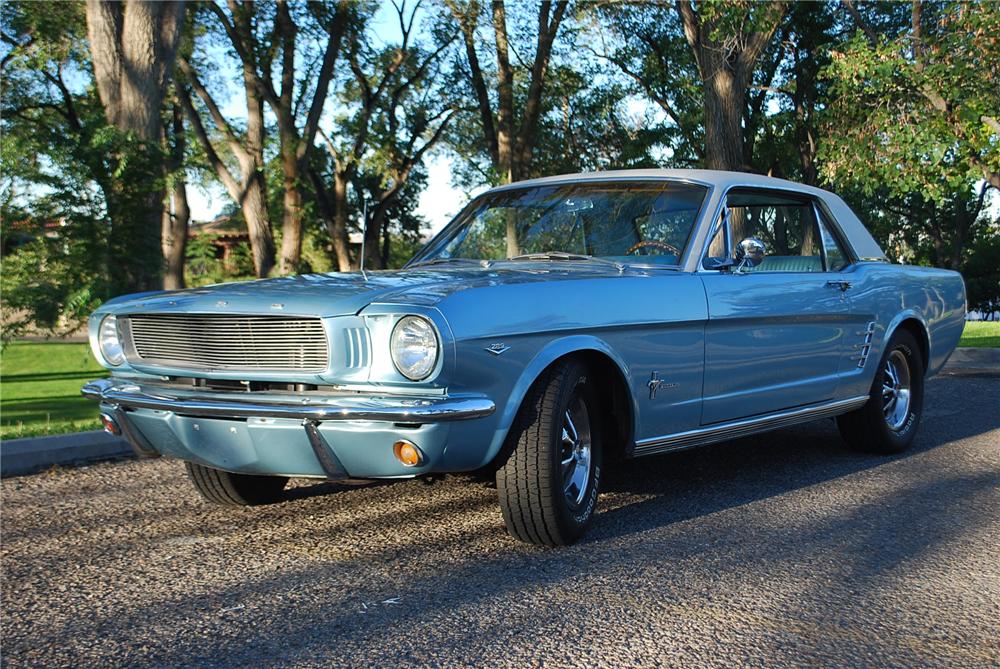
407	453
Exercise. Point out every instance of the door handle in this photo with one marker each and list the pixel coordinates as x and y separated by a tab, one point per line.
843	285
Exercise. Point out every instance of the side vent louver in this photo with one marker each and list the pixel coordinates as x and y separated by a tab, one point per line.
356	348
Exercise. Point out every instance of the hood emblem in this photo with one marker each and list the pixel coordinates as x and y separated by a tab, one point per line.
221	303
498	348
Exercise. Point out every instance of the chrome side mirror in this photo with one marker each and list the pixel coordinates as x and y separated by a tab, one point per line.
749	253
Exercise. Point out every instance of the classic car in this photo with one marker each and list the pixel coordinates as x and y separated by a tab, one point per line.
553	326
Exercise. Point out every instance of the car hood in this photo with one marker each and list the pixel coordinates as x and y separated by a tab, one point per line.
339	294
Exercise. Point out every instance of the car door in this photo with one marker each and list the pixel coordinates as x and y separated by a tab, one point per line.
775	334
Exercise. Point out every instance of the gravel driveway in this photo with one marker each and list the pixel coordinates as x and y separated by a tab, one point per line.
779	550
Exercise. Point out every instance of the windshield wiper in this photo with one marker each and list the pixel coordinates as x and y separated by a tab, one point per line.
563	255
440	261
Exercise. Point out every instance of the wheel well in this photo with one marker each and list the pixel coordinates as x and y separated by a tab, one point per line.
614	398
916	328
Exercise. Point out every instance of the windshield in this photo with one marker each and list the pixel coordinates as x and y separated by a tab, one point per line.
624	221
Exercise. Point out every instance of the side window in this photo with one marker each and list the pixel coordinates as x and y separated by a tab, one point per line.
836	258
794	239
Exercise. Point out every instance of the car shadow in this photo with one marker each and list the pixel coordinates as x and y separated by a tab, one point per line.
662	521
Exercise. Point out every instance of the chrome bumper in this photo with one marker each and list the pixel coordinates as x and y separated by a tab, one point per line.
393	409
119	396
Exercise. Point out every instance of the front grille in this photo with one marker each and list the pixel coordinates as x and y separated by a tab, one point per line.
239	343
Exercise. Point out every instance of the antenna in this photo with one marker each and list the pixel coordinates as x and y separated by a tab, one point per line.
364	233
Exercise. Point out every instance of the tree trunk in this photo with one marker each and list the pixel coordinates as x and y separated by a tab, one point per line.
726	70
132	47
176	212
258	222
373	232
338	228
254	202
176	215
724	102
291	224
386	246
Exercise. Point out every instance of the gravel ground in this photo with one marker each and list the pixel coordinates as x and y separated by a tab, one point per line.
779	550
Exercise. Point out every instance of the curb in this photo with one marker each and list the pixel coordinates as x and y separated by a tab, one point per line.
32	454
983	362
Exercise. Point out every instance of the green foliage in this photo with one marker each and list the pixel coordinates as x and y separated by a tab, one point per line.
917	112
205	264
981	271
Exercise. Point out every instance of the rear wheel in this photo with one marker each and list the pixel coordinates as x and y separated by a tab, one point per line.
888	422
548	486
229	489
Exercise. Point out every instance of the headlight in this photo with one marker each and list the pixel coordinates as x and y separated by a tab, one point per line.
414	347
108	341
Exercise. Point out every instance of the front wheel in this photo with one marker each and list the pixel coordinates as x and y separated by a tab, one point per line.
548	486
888	422
229	489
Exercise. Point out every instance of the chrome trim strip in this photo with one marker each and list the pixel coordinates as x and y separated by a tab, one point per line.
741	428
130	395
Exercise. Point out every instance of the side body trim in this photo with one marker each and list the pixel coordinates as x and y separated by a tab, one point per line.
744	427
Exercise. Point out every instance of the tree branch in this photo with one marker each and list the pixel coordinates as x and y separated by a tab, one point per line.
213	109
468	25
236	191
870	34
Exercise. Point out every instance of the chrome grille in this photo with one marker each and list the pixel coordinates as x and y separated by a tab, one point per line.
207	342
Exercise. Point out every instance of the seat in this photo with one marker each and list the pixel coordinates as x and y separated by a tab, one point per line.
790	264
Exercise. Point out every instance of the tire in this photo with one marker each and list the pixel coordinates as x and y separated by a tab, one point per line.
548	485
230	489
888	422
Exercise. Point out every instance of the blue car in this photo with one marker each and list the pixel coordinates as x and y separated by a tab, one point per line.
553	325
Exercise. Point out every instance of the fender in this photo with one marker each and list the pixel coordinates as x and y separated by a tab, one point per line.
890	330
546	356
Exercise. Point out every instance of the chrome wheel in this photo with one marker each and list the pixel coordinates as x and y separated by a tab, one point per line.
896	390
575	451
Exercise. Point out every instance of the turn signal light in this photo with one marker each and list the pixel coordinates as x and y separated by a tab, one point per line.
110	426
407	453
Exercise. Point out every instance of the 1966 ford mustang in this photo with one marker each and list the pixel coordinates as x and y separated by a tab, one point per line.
552	325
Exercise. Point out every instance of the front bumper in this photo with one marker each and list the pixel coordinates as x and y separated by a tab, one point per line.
280	433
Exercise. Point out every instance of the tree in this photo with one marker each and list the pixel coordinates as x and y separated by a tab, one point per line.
176	212
55	172
256	54
395	113
132	46
247	186
727	41
646	43
509	127
917	107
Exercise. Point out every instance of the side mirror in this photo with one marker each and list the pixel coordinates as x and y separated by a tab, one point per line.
749	253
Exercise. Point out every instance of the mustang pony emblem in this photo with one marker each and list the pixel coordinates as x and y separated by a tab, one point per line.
498	348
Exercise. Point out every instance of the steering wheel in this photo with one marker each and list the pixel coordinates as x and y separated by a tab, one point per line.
655	244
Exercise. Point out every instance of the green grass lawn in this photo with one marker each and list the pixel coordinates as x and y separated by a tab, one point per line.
40	389
40	384
981	334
